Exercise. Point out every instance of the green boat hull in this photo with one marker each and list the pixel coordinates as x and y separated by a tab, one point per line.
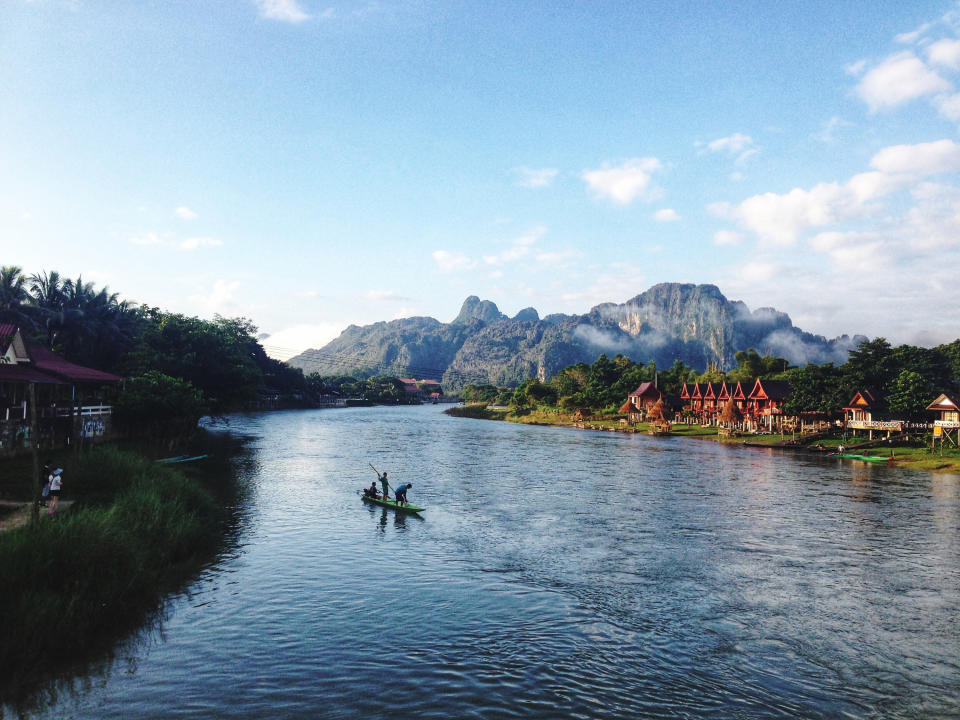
391	503
864	458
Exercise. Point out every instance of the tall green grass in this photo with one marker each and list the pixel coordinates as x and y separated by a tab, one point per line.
79	576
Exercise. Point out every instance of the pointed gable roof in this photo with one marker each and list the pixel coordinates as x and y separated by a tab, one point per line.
776	390
943	403
738	392
864	400
697	391
685	392
710	391
11	343
724	392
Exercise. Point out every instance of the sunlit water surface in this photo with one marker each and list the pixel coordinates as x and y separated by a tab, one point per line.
556	573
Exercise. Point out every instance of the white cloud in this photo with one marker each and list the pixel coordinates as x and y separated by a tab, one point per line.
738	144
519	247
199	242
617	282
827	134
557	258
945	52
732	144
781	218
626	182
283	10
666	215
921	159
185	213
856	68
949	106
535	178
451	262
220	300
899	79
909	38
727	237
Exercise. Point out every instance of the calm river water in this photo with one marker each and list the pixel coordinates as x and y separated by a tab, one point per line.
556	573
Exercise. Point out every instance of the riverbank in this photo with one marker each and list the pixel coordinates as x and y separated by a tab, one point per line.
910	456
80	579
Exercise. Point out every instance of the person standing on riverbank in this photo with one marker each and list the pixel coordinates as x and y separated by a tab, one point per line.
56	481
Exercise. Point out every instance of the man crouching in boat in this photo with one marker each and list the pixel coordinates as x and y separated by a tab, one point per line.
371	492
400	493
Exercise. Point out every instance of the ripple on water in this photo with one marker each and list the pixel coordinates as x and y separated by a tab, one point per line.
556	574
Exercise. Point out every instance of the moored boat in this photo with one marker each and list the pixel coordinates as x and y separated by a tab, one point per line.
865	458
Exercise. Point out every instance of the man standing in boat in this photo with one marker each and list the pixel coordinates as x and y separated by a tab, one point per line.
384	483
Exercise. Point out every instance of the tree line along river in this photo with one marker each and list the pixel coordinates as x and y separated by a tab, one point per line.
555	573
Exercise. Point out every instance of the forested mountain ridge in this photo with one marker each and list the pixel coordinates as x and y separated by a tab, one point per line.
671	321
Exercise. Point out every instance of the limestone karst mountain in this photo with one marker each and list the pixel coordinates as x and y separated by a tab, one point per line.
670	321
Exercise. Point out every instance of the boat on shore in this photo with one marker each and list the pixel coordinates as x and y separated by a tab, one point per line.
391	503
865	458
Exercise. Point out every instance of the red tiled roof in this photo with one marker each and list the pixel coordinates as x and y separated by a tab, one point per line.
48	361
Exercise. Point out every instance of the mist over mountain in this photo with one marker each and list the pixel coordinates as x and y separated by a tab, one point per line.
671	321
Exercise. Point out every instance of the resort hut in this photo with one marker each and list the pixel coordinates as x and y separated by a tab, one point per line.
948	426
731	414
659	425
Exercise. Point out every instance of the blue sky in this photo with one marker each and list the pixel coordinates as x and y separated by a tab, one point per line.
311	164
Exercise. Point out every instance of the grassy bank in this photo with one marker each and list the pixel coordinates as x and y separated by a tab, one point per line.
77	578
913	456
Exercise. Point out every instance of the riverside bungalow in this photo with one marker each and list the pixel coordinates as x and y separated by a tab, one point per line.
766	401
866	411
739	397
641	401
69	397
696	400
948	426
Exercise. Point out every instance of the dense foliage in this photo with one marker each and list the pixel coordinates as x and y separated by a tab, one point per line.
179	367
904	379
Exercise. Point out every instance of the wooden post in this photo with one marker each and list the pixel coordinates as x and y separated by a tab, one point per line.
35	452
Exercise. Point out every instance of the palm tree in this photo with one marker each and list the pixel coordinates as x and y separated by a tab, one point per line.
46	291
14	299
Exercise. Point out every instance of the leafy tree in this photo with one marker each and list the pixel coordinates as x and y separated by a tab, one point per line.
214	357
159	407
672	379
14	297
910	394
815	388
711	374
480	393
870	366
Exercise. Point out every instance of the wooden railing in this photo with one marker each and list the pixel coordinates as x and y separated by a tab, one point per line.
875	424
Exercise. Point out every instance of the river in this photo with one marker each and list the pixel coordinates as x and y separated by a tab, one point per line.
556	573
